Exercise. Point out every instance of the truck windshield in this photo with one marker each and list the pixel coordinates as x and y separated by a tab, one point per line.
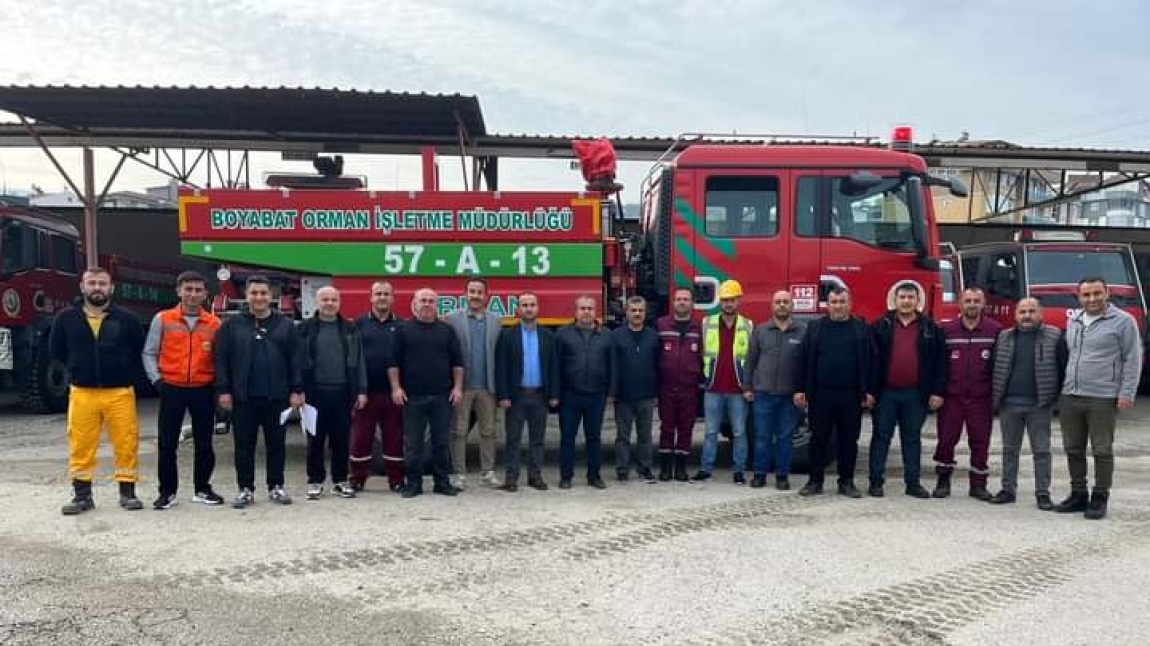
879	216
1064	268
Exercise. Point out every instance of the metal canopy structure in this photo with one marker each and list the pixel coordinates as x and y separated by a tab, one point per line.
180	132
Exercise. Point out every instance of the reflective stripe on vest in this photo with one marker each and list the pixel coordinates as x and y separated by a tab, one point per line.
739	348
185	355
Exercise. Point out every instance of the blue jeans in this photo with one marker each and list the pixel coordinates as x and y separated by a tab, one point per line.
573	409
775	417
905	408
734	408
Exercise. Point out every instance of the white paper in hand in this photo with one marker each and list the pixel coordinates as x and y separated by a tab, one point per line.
307	418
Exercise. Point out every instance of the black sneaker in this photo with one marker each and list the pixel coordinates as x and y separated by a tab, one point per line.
446	490
648	477
565	483
165	501
622	476
849	490
875	491
596	483
1044	501
782	483
917	491
410	492
759	481
811	489
208	497
739	479
1005	497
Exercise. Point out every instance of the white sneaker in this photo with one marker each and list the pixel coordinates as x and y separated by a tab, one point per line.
457	480
490	479
277	494
343	490
314	491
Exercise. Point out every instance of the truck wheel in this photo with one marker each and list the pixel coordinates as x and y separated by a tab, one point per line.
47	389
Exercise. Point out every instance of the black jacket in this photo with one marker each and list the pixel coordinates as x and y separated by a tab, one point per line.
932	363
636	363
110	361
807	371
581	365
233	355
378	339
509	360
354	368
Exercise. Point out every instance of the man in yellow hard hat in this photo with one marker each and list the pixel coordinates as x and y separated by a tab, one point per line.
726	340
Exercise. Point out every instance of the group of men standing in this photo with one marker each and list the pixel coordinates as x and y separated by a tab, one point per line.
428	377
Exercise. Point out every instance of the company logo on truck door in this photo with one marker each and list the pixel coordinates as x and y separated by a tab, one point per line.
708	256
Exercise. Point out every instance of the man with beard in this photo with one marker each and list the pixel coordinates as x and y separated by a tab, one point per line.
426	374
680	371
910	379
178	357
335	383
773	363
636	348
969	343
101	345
377	330
834	385
1029	363
522	368
726	340
258	375
1102	372
582	383
477	331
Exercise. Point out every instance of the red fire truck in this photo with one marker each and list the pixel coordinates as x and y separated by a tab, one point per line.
1049	268
802	218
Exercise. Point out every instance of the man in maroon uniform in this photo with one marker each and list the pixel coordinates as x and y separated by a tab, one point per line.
680	370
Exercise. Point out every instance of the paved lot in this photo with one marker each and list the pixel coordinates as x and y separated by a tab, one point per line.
666	563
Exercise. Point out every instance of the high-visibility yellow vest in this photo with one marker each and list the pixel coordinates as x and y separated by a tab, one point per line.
743	329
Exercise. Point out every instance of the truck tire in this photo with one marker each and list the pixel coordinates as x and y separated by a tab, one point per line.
47	387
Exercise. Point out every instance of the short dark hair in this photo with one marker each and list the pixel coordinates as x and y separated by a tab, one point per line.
95	270
526	292
637	300
685	289
1093	279
475	279
907	286
839	290
257	279
190	277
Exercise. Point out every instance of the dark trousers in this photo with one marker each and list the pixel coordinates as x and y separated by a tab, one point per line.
332	427
248	418
640	415
423	415
905	408
381	413
836	422
576	408
678	410
976	415
528	407
1093	419
200	405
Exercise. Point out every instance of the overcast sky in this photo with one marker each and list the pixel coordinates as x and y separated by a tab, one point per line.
1057	72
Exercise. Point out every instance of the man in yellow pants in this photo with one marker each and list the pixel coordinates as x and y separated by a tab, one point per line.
101	345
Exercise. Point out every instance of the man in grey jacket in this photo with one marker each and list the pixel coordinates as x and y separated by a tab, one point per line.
1102	372
773	361
1026	376
478	332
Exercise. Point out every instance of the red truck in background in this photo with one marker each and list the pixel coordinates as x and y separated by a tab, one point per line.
40	266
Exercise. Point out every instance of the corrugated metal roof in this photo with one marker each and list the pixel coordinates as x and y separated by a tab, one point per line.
282	111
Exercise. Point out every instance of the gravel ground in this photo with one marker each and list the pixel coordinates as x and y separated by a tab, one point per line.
665	563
